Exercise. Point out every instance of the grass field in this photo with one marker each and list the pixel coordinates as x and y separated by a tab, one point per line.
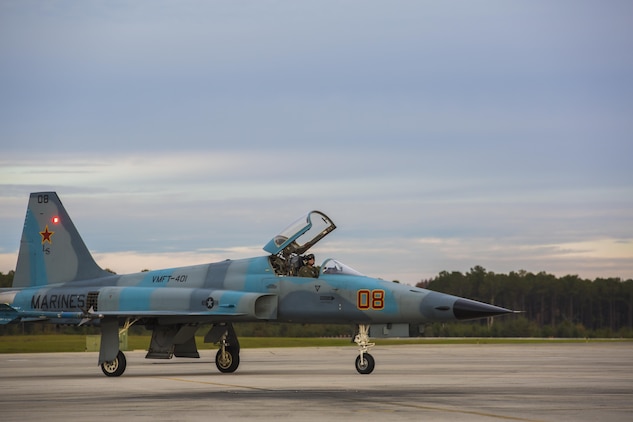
46	343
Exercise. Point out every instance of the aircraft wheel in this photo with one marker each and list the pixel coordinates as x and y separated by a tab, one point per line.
368	365
116	367
228	361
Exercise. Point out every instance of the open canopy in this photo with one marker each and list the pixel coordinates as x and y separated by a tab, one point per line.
301	235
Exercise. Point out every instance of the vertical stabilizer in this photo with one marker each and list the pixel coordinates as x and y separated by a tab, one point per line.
51	250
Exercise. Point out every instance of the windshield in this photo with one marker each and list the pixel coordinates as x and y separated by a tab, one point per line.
332	266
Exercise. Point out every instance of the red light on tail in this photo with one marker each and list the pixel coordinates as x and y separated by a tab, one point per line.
55	220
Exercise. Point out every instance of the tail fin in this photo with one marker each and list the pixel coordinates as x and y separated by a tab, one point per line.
51	250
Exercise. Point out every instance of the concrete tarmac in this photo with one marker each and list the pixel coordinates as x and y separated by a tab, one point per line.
538	382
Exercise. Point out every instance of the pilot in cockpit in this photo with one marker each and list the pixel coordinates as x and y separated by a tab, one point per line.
308	269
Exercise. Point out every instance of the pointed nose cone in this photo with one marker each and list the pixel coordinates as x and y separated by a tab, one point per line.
471	309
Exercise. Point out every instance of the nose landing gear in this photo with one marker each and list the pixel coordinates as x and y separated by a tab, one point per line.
364	361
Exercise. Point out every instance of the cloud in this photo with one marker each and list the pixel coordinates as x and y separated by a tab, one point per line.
499	131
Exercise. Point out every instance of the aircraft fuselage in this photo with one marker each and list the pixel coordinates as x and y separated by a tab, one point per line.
240	290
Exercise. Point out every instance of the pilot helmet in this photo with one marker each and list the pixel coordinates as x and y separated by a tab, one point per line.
309	257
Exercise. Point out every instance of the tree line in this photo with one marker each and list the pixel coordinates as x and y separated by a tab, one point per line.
549	306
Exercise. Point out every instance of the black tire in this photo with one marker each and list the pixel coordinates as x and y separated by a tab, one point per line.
368	366
229	362
116	367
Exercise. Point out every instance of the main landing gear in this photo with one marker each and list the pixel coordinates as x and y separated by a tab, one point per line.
364	361
228	357
116	367
110	335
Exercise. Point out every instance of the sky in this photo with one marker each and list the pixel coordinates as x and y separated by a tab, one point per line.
438	136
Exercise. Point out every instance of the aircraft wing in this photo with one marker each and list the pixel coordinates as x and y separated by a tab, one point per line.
9	314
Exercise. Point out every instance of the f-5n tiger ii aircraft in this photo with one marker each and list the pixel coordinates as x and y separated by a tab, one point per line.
58	281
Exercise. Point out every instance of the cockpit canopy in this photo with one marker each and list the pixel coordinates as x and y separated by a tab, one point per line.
301	235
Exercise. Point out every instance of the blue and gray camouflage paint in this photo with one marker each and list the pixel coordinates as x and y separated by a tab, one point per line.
57	280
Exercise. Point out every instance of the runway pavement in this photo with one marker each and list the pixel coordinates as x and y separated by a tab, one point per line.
538	382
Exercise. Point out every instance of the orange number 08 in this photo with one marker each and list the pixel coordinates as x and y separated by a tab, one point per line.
370	299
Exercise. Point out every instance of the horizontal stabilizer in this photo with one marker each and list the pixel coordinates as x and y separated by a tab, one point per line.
7	314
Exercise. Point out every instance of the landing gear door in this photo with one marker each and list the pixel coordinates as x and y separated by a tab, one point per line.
301	235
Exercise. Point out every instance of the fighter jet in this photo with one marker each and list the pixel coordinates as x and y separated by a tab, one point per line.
58	281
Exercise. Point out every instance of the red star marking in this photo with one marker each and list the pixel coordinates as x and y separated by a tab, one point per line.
46	235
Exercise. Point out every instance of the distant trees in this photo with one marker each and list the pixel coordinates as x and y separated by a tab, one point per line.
6	280
568	306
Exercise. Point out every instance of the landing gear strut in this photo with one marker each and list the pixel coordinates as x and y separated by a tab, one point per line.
110	335
364	361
